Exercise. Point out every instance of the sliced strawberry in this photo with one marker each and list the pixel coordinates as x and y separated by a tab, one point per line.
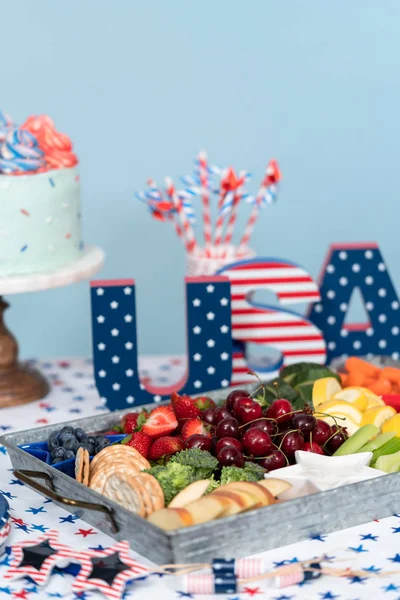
193	427
165	446
139	440
204	402
162	421
184	407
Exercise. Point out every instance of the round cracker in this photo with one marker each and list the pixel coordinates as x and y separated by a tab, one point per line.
82	461
119	449
125	490
153	488
99	479
129	461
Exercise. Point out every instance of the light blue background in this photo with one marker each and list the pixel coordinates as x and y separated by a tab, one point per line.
142	86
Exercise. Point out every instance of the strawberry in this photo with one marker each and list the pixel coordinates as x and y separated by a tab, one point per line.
184	407
161	421
132	421
140	441
192	427
165	446
204	402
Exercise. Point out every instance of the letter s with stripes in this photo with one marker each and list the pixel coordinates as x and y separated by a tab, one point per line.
293	335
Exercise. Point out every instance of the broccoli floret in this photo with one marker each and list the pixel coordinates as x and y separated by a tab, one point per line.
230	474
213	485
254	472
172	477
201	461
250	472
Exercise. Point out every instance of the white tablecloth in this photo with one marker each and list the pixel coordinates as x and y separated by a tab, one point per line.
373	546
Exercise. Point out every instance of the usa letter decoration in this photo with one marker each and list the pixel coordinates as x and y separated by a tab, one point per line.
294	336
115	349
348	267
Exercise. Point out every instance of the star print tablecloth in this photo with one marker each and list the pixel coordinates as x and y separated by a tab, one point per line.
374	547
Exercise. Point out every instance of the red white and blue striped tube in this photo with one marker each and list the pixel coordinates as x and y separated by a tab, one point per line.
205	196
188	234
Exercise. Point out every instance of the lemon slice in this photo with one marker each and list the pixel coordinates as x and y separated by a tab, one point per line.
354	396
324	389
342	421
392	424
378	415
334	407
376	401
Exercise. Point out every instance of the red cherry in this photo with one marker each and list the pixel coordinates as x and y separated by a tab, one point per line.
266	425
230	456
281	410
256	442
228	442
321	433
228	428
291	442
233	396
199	441
337	439
275	460
313	447
207	416
247	410
221	412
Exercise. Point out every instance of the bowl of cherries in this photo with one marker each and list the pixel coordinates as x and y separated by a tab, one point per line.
243	430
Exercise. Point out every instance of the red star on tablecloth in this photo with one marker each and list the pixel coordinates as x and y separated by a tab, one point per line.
86	532
108	571
252	591
44	552
22	594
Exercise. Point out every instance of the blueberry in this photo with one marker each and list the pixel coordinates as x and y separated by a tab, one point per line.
57	460
59	453
101	443
67	429
70	442
80	434
69	454
91	440
88	447
53	441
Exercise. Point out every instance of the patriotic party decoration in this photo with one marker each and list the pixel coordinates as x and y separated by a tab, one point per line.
214	185
350	267
115	350
295	337
108	571
37	558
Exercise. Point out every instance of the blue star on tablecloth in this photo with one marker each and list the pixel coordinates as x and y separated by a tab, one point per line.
396	529
369	536
328	596
41	528
372	569
358	549
69	519
391	588
357	579
395	559
36	511
318	538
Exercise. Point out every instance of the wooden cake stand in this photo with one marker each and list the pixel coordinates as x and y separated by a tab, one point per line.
20	383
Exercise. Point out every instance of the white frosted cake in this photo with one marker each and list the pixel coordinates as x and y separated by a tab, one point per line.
40	220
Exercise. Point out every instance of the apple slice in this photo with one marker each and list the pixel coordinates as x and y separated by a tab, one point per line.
261	494
171	518
205	509
192	492
275	486
235	501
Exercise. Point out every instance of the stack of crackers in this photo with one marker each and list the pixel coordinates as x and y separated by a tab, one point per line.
117	473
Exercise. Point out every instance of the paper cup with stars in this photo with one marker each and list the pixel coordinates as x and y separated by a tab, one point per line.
202	262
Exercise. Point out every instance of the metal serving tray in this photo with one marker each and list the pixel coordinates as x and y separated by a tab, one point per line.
248	533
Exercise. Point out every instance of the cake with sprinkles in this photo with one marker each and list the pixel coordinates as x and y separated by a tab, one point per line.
40	219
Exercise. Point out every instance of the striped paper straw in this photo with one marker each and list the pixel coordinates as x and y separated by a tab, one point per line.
243	176
221	214
272	176
188	235
203	174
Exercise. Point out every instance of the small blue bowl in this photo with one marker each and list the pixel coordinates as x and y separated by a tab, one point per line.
40	450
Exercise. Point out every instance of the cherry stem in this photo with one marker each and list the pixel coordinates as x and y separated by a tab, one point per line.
255	420
262	385
332	417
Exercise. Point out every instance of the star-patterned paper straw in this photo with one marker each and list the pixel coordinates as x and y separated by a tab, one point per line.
238	195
